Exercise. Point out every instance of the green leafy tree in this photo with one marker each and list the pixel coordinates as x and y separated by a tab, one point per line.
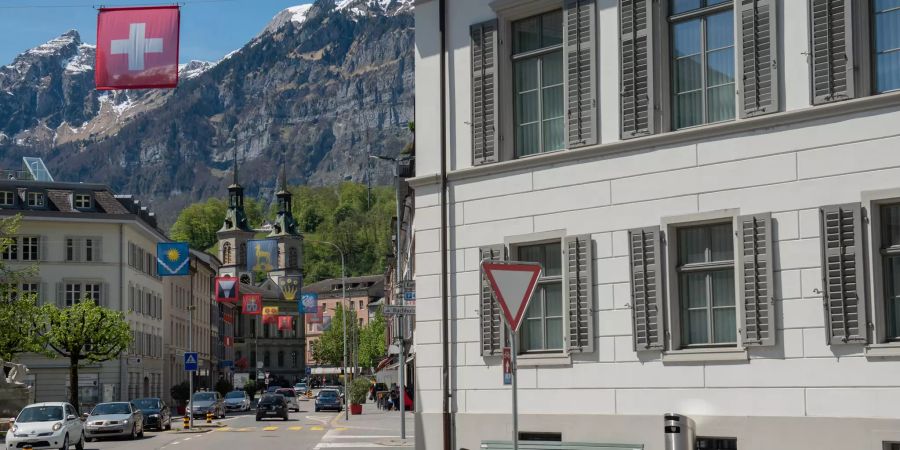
250	388
85	332
224	386
19	312
198	223
373	341
329	348
181	392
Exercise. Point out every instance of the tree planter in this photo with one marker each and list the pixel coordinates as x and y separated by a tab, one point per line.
355	409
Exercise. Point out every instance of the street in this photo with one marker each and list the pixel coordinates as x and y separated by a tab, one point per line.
304	430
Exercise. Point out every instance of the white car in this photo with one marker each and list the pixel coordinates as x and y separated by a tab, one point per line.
46	425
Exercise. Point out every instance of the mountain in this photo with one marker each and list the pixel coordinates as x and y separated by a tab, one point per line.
321	83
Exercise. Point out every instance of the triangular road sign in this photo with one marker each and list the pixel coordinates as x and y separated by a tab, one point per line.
513	283
190	359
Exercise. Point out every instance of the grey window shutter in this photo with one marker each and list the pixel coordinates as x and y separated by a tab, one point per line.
646	284
44	296
759	305
104	295
636	65
78	249
484	92
60	295
843	274
579	271
42	248
98	249
831	52
492	328
759	51
581	72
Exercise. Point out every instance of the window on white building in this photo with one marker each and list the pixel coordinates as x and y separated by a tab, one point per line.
30	248
715	443
73	293
11	252
35	199
706	285
890	254
7	198
886	44
542	326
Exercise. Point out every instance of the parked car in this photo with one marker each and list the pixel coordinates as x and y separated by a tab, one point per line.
290	397
301	388
237	401
114	419
46	425
156	413
204	402
328	399
272	406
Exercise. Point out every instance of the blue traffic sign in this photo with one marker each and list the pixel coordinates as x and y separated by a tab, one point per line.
190	361
309	371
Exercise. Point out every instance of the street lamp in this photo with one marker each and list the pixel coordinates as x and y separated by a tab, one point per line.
401	366
344	325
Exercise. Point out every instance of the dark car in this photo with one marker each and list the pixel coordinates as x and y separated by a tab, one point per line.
328	399
156	413
272	406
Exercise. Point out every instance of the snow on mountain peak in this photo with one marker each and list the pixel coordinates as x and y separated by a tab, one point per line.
299	12
56	44
194	68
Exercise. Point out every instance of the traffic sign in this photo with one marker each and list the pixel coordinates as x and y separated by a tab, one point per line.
513	283
507	366
409	296
190	361
397	310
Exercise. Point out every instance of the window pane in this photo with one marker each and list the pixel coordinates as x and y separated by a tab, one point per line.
553	102
688	74
692	244
555	333
724	325
552	25
532	253
890	219
552	260
720	103
888	71
723	287
686	38
532	335
694	290
688	110
720	67
680	6
696	326
527	35
892	309
526	75
553	135
887	30
721	242
719	30
553	69
553	299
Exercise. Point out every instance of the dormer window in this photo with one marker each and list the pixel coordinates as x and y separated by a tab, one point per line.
82	201
35	199
7	198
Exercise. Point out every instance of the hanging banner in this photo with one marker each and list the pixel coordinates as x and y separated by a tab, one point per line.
251	304
507	366
262	255
228	317
228	341
227	289
290	286
316	317
172	259
137	48
269	315
285	323
309	304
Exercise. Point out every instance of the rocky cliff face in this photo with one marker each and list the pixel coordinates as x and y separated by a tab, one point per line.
322	83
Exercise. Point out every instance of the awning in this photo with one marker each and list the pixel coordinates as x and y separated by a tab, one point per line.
384	363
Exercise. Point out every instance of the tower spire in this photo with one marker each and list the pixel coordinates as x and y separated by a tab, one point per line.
283	171
234	170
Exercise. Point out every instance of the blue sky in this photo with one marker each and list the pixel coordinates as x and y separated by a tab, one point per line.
209	28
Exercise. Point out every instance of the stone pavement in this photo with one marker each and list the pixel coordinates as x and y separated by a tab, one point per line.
374	428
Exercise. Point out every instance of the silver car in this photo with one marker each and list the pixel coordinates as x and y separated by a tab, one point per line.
46	425
114	419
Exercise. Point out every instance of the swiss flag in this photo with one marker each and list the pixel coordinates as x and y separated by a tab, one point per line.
137	48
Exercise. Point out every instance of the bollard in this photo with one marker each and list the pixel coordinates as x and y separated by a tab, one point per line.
678	431
187	422
209	417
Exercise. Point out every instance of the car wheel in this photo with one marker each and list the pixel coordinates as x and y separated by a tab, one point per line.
80	444
169	424
258	419
141	434
133	432
317	409
65	445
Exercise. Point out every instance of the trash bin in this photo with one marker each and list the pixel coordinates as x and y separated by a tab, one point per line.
679	432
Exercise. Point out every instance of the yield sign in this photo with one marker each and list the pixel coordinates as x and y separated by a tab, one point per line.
513	283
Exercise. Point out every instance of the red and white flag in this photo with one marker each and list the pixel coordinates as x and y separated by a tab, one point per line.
137	48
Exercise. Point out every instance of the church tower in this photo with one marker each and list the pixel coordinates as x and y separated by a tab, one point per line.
235	231
286	231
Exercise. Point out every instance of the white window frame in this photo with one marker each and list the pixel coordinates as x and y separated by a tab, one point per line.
7	198
11	253
35	199
676	351
872	201
77	200
36	250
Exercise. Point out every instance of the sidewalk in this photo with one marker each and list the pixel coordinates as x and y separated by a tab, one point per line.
374	427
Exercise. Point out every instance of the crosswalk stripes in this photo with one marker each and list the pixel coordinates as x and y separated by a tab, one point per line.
273	428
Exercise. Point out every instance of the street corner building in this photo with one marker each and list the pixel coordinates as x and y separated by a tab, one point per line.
712	188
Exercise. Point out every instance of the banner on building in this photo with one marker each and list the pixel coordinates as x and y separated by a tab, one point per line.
251	304
315	317
290	286
285	323
228	341
173	259
227	289
137	48
228	317
309	304
262	255
326	322
269	315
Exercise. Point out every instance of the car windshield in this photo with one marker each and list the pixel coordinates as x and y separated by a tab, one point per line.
40	414
270	399
235	394
111	408
328	394
286	392
146	403
204	397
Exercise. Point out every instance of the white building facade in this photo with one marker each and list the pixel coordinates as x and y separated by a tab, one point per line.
712	188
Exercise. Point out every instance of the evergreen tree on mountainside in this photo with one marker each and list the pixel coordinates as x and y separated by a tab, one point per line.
345	215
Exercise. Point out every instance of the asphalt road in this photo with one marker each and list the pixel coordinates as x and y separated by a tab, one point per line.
306	429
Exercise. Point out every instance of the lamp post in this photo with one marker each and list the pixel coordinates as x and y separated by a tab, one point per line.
398	276
344	324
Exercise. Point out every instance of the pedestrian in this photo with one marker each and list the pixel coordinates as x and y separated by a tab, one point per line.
395	397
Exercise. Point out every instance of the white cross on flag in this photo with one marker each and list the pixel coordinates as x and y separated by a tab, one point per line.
513	284
137	48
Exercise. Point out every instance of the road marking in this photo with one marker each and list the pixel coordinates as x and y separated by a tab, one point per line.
348	436
316	428
348	445
224	429
295	428
270	428
340	429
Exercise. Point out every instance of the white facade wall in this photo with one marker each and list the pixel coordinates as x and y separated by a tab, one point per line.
799	394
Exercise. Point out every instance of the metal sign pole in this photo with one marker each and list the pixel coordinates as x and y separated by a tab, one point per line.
515	386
